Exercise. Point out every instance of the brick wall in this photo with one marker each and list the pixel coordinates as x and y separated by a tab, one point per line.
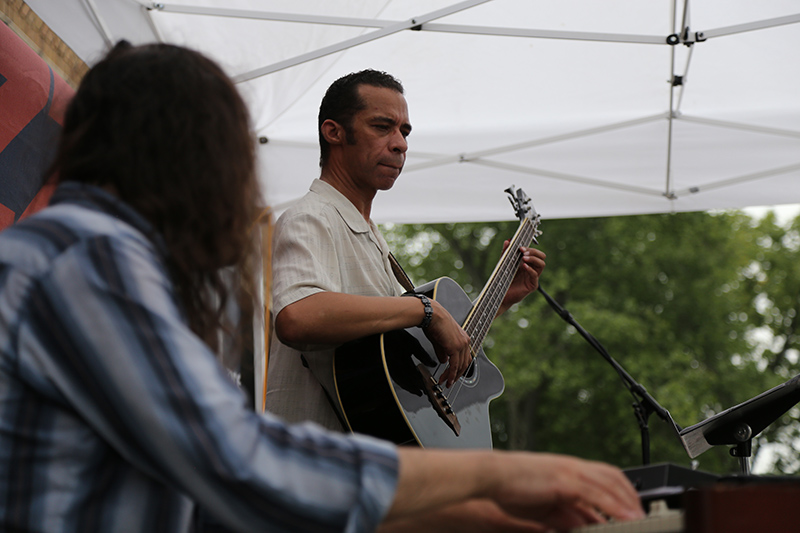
25	23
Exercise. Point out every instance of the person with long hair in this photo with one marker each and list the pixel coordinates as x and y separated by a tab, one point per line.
115	414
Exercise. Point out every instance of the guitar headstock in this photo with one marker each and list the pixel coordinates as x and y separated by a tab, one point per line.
524	209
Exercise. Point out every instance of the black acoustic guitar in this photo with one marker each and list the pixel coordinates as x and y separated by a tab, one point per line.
387	385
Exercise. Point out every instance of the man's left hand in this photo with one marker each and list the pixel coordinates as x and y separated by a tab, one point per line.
526	280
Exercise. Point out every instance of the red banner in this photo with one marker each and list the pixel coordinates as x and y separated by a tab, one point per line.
32	103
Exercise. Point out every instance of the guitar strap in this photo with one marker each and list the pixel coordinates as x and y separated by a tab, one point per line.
400	274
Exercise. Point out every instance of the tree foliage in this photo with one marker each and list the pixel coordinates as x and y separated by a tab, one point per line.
699	308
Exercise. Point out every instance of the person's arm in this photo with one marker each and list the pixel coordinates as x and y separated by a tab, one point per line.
473	516
553	491
314	306
334	318
155	400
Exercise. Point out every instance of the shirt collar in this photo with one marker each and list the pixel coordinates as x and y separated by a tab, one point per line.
345	207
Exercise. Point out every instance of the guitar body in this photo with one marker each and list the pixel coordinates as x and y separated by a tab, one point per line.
384	388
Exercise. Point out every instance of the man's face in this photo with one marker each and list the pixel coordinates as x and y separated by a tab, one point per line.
379	130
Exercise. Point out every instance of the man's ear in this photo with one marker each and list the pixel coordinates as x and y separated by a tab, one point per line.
333	132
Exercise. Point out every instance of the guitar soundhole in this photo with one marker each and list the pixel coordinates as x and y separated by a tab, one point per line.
471	376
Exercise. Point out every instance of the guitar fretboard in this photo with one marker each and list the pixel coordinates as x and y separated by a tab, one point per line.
491	297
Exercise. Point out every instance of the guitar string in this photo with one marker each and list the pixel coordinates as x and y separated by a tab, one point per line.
507	272
481	326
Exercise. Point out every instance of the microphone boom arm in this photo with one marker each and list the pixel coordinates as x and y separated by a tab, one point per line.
643	403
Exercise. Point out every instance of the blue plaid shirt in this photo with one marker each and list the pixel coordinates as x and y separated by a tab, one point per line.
115	417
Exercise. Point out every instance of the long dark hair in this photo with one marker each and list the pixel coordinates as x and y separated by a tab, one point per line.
165	129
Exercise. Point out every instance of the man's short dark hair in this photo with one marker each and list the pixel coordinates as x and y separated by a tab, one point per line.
342	101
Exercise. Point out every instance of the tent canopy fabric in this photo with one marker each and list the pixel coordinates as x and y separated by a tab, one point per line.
593	108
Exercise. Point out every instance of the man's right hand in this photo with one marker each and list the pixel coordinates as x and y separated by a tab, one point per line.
527	491
450	342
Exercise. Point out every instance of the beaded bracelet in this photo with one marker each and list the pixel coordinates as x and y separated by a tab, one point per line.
428	308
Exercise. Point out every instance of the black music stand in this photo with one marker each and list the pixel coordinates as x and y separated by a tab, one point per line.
738	425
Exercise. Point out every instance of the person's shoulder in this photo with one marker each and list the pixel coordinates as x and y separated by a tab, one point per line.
310	207
81	223
35	243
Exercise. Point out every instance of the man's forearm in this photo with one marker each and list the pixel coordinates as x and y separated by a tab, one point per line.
421	487
334	318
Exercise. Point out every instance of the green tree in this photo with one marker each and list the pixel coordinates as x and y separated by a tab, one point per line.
673	298
774	280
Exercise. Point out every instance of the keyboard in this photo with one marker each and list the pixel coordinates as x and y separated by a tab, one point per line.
660	519
735	504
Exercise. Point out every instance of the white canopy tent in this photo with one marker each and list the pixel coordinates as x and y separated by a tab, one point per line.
593	108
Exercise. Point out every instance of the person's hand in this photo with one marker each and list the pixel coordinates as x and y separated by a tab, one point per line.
474	516
562	492
526	280
485	490
450	342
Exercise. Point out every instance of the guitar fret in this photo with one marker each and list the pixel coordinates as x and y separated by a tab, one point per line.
491	298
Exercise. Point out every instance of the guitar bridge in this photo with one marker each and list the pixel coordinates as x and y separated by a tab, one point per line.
438	401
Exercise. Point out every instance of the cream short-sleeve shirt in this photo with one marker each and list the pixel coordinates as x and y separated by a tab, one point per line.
321	243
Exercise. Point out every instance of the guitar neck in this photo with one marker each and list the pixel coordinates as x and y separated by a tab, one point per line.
491	297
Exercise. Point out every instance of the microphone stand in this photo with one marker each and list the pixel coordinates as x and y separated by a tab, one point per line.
643	404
